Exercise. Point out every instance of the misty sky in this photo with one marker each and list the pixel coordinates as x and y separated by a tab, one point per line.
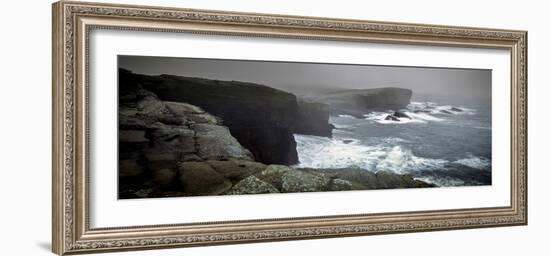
312	78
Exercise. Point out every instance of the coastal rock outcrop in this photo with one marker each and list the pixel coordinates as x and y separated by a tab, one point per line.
396	115
313	119
261	118
359	101
252	185
156	137
283	179
400	114
287	179
359	179
391	118
172	148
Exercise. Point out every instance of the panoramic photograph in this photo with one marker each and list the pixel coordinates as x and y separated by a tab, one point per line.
215	127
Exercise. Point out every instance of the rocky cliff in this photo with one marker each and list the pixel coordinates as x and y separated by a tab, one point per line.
261	118
178	149
313	119
360	101
157	139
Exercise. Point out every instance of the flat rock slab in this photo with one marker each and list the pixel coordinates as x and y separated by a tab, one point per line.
214	142
199	178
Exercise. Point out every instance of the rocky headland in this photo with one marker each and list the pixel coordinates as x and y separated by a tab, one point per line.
168	147
261	118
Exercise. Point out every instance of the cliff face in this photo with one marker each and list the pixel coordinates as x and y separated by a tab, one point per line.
358	102
261	118
313	119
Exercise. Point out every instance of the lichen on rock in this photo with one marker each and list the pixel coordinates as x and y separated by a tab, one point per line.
302	181
251	185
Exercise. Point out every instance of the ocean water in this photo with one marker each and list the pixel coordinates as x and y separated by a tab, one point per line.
438	144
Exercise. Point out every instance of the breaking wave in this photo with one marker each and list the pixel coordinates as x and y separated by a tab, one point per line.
380	117
320	152
346	116
475	162
419	112
434	108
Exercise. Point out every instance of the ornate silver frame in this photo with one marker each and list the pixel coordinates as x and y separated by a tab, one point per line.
72	22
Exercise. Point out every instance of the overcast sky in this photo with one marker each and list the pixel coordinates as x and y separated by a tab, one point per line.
310	78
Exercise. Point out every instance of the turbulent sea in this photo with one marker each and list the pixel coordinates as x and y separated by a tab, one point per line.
447	142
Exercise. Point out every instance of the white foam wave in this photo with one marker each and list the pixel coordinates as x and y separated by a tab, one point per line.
475	162
423	116
380	117
434	108
402	161
415	105
342	126
393	140
482	127
402	120
375	115
419	112
321	152
342	131
346	116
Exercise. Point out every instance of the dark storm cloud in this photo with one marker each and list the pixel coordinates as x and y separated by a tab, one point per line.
312	78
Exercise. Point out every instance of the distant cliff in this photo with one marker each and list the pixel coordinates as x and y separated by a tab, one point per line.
358	102
261	118
313	118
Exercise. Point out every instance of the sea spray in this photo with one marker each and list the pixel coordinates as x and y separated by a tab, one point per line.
322	153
